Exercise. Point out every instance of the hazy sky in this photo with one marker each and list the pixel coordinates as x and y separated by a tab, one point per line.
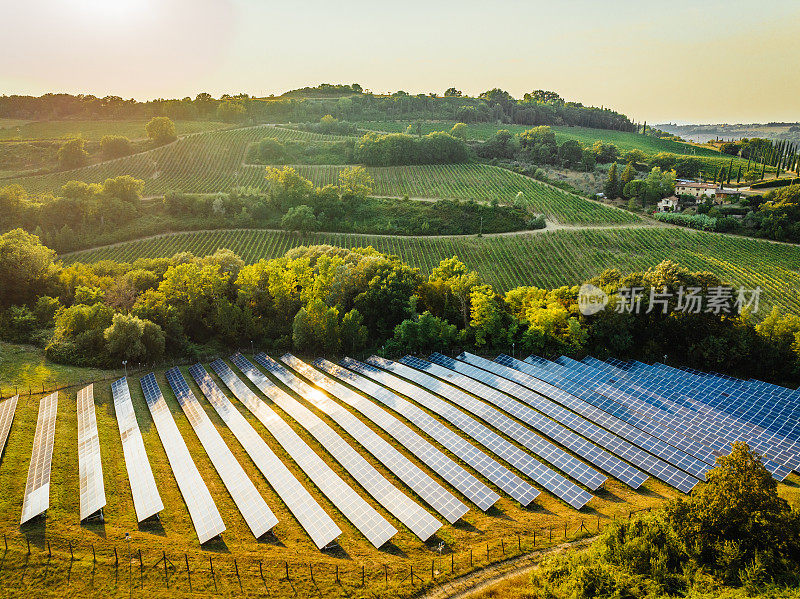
676	60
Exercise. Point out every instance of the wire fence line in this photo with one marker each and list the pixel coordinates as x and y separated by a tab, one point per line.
128	566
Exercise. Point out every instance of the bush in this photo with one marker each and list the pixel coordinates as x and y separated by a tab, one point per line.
161	130
391	149
702	222
73	154
114	146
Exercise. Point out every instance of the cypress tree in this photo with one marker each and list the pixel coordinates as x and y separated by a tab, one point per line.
739	175
611	188
627	175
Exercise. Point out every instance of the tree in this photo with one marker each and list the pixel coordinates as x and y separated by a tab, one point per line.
540	144
299	218
634	156
424	333
611	187
73	154
231	111
114	146
27	269
124	188
605	152
628	174
570	153
271	150
352	331
134	339
737	517
459	130
452	92
636	189
660	184
161	130
316	328
489	320
355	182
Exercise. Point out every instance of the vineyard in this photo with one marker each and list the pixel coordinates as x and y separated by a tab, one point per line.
93	130
214	161
549	259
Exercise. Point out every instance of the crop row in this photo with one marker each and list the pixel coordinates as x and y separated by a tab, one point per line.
549	259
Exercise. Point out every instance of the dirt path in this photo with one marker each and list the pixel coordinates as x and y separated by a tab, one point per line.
465	586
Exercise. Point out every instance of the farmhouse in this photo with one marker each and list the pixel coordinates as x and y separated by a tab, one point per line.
698	190
669	204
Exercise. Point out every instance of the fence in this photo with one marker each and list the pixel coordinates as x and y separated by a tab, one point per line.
116	567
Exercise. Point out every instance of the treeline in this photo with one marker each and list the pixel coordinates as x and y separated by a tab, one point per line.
393	149
734	536
535	108
323	299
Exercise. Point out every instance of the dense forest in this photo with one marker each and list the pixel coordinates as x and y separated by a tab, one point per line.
536	108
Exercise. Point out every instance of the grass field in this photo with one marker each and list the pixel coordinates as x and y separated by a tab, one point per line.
94	130
546	259
212	162
493	532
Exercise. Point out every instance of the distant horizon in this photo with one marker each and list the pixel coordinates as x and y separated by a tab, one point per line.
718	62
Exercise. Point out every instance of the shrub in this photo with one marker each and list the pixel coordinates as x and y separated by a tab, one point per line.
114	146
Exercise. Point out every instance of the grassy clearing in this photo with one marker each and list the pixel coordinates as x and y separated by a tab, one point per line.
94	130
548	259
21	573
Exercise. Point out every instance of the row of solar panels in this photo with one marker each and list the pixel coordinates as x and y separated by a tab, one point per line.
572	424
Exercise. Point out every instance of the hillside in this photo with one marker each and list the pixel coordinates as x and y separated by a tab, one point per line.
546	259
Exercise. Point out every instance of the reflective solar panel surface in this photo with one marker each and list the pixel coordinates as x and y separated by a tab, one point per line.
509	452
146	500
590	425
90	465
252	506
478	493
550	479
37	488
452	509
202	509
708	430
504	478
8	408
490	387
419	521
311	516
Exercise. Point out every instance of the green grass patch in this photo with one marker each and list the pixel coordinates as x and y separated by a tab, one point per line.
95	129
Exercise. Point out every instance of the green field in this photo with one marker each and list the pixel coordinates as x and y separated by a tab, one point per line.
545	259
214	161
94	129
484	535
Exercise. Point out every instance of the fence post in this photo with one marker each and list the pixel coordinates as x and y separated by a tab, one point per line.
188	572
534	537
29	545
5	541
502	546
565	530
432	574
311	570
116	557
164	557
470	558
519	542
412	575
49	552
487	553
452	562
362	575
385	576
286	566
236	567
213	577
551	533
337	574
94	555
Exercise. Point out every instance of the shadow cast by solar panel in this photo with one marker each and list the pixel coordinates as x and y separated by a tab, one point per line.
607	495
270	538
98	527
215	545
496	512
536	508
152	526
790	483
438	545
35	530
336	550
466	526
392	549
644	491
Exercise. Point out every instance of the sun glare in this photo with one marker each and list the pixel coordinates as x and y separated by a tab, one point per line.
115	11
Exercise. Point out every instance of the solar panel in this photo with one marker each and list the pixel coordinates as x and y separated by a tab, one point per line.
500	391
418	446
90	466
590	426
512	454
363	516
252	506
478	493
667	396
671	445
7	410
202	509
701	432
551	480
146	500
37	488
419	521
419	481
506	480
